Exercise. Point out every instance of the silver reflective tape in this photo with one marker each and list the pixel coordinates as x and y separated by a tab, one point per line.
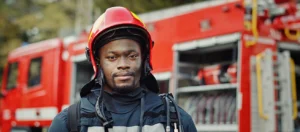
146	128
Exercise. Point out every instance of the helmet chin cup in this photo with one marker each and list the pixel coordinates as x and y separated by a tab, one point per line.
87	54
147	67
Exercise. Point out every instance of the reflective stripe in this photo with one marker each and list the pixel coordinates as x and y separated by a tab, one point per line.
154	128
43	113
146	128
95	129
6	114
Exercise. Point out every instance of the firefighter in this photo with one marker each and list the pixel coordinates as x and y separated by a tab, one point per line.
123	94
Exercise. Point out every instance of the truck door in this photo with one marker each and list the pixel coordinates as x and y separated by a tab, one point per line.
40	88
11	92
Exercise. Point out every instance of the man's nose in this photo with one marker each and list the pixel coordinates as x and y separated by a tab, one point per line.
123	64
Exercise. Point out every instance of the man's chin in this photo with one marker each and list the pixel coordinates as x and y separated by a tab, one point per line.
123	89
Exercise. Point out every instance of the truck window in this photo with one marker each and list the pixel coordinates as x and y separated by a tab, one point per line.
12	76
84	73
34	74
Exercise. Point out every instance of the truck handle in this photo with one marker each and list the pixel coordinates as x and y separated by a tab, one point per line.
294	89
259	88
253	25
290	36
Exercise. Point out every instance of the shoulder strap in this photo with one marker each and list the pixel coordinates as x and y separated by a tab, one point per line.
74	117
173	110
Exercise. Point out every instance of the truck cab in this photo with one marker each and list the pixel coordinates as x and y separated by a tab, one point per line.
31	80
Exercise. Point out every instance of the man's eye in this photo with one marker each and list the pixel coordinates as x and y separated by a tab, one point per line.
111	57
133	56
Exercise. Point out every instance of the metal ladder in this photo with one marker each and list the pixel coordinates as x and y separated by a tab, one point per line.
287	91
273	92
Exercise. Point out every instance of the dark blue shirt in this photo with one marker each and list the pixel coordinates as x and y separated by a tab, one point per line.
125	111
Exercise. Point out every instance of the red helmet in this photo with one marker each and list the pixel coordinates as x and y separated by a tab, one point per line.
116	19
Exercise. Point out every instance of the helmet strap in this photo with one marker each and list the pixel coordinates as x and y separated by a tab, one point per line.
100	77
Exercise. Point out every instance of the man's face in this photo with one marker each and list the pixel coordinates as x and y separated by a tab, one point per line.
121	62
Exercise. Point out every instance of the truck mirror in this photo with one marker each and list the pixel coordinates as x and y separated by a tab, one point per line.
2	95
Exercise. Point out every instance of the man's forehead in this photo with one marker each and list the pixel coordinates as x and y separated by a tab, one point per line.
121	45
121	50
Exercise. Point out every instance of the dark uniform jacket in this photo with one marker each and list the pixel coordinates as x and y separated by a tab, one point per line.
125	111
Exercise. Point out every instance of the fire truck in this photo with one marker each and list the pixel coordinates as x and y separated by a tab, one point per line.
231	64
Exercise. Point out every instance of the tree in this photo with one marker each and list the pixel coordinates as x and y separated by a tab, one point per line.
9	33
31	21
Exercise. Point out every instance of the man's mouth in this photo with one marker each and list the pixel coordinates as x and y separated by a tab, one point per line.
124	76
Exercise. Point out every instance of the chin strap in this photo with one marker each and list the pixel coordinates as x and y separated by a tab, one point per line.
142	112
104	116
100	77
